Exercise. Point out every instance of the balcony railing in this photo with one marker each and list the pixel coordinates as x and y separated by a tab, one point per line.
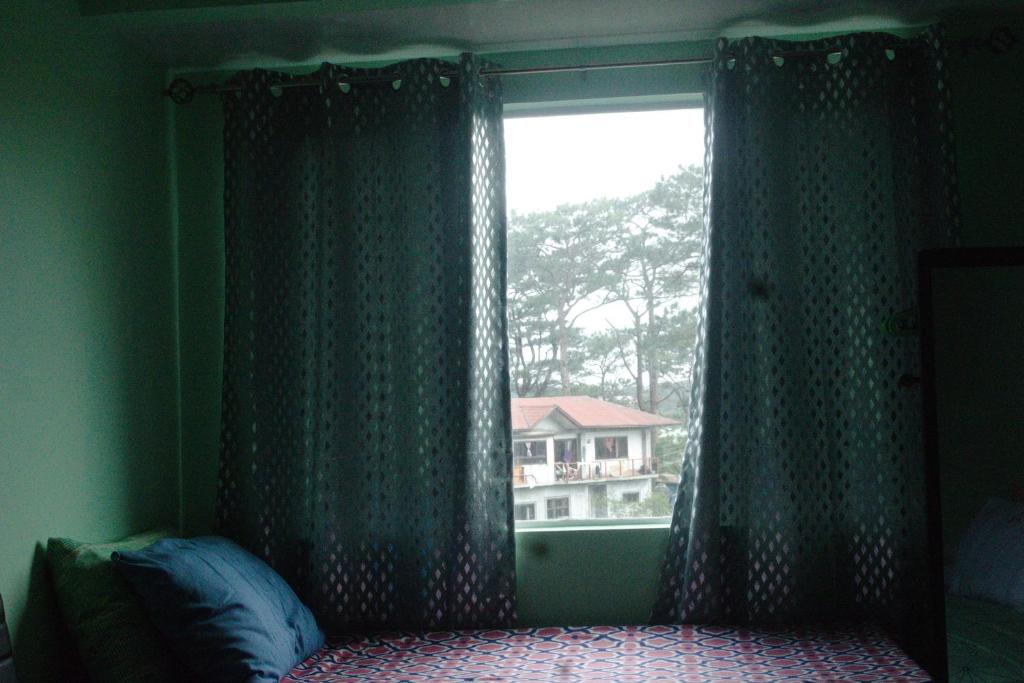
541	474
602	469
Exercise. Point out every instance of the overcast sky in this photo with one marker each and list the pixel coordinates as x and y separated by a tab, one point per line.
552	160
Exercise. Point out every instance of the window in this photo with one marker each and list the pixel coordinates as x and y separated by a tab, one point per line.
631	497
608	447
567	450
526	512
599	501
530	452
605	229
558	508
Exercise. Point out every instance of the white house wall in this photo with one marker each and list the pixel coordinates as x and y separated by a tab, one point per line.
579	495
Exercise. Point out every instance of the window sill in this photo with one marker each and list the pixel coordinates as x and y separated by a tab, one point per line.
593	525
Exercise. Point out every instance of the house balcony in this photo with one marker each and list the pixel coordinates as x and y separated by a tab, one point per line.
574	472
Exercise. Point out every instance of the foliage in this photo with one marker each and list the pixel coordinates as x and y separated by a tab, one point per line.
670	445
655	505
632	261
557	262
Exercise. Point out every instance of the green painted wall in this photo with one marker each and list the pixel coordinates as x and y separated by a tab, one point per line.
980	383
88	407
988	114
200	197
980	367
586	576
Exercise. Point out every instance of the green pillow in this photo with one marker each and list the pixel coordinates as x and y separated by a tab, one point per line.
115	638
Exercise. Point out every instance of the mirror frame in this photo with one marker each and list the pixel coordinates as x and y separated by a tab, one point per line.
929	262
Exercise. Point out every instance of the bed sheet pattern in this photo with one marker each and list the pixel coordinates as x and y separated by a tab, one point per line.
640	654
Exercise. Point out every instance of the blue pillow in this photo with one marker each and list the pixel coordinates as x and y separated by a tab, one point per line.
223	611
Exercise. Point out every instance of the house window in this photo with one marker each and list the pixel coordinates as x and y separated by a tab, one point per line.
605	227
567	450
530	452
558	508
611	447
526	512
631	497
599	501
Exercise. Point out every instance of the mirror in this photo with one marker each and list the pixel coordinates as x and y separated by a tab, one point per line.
972	330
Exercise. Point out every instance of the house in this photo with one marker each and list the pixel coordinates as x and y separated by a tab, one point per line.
578	457
112	243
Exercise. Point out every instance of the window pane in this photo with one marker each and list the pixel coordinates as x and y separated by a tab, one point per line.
604	237
530	452
526	512
612	447
567	450
599	501
558	508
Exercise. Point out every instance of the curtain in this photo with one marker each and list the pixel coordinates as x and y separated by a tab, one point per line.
366	443
802	496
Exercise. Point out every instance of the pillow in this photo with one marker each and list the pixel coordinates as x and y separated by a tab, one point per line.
116	640
224	611
990	559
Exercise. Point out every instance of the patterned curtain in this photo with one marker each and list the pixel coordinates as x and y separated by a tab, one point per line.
366	444
803	487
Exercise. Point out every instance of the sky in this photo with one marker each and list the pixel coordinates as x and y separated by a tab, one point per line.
553	160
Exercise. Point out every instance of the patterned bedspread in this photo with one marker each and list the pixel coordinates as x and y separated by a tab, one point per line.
641	654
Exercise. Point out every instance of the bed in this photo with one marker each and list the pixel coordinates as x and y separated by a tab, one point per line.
625	654
644	654
985	641
985	597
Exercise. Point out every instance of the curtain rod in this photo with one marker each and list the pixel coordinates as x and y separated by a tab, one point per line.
181	91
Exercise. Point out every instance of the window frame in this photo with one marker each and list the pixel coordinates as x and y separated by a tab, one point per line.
619	439
533	459
577	450
533	511
523	102
557	499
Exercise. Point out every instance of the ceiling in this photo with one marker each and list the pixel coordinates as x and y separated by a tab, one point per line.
224	33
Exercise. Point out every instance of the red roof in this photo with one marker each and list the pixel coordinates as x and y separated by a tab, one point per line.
587	412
